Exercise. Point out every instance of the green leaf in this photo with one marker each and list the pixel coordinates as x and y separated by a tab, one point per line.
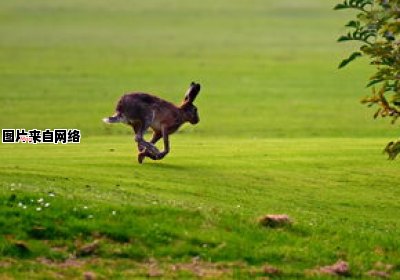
350	59
374	82
340	7
353	24
345	38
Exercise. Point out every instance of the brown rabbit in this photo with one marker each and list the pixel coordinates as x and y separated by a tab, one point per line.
142	110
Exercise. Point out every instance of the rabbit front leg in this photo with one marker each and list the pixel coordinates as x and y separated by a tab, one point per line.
138	135
145	153
165	137
139	129
156	136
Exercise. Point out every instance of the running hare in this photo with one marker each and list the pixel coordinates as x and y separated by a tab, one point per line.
143	110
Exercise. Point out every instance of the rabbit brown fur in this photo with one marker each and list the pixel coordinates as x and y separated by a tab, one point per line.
142	111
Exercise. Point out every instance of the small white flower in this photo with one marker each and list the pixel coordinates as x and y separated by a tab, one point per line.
238	206
114	212
39	209
12	185
46	204
85	207
32	200
20	204
24	207
40	200
52	194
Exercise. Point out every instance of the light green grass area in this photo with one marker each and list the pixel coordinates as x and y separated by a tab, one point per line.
281	131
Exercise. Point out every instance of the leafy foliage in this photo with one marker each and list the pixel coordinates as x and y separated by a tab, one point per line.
377	28
355	4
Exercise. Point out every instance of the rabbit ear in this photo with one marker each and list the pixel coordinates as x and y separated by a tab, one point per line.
192	92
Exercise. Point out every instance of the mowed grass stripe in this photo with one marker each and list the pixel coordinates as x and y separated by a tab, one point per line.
339	206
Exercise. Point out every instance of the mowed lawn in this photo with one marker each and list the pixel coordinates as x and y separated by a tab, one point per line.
281	132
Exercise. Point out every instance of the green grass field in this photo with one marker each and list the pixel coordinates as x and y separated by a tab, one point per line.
281	131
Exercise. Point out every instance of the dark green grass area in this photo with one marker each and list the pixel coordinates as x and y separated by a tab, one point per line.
281	131
192	206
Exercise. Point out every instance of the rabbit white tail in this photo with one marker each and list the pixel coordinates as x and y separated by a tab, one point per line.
114	119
